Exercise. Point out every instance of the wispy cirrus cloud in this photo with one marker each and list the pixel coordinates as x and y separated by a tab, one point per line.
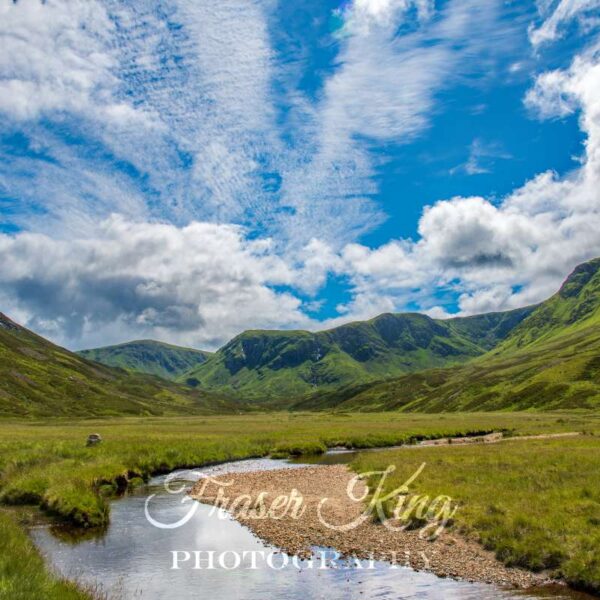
499	255
481	159
558	14
174	105
238	192
57	59
205	69
383	92
170	98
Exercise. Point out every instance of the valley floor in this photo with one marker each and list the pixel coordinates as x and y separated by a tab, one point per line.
295	532
534	504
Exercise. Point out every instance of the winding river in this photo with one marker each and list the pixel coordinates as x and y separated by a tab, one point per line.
134	559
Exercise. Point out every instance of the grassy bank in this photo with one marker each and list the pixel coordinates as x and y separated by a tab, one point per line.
47	464
23	575
535	503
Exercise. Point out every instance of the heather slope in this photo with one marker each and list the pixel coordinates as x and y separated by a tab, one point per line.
38	378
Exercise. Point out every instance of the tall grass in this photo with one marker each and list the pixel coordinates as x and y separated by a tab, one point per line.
535	503
47	464
23	575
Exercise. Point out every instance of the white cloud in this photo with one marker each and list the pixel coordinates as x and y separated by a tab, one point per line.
382	92
550	97
174	103
482	157
501	256
564	12
175	111
184	98
200	284
58	57
49	61
361	15
205	69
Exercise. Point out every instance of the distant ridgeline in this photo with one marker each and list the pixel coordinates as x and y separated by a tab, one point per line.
282	364
39	379
539	357
148	356
411	362
551	360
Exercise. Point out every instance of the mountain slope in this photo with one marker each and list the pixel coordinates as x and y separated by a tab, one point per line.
551	360
38	378
148	356
282	364
577	303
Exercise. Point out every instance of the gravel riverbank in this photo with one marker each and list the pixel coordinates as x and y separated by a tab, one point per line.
295	526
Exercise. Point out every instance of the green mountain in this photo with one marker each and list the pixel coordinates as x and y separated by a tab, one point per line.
270	365
541	357
148	356
551	360
38	378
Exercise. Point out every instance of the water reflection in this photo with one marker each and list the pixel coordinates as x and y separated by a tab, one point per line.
134	559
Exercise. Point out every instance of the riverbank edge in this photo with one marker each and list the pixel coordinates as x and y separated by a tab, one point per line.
297	537
125	478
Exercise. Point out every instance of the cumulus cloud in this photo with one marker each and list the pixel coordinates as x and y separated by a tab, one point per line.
508	254
202	283
169	115
199	284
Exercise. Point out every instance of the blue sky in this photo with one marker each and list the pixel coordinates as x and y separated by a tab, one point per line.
186	170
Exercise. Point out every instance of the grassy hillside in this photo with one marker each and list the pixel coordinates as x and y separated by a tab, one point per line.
575	305
280	364
550	360
38	378
148	356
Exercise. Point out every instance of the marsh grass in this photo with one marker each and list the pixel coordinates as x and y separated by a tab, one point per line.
23	575
48	465
535	503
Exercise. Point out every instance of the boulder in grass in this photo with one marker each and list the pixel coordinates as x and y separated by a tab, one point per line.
94	439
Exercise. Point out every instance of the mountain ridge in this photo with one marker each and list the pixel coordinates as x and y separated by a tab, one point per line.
40	379
148	356
541	356
550	360
265	364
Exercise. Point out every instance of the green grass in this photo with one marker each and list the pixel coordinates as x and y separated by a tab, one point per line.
23	575
47	464
549	361
542	357
563	372
38	378
535	503
536	358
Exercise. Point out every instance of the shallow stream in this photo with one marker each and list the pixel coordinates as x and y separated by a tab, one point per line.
134	558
